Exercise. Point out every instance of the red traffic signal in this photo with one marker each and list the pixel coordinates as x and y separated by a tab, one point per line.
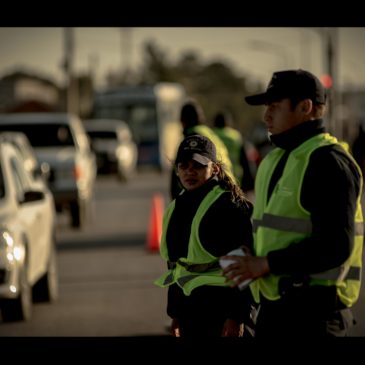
326	81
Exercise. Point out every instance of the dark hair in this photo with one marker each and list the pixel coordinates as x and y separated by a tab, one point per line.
318	109
223	119
227	183
192	114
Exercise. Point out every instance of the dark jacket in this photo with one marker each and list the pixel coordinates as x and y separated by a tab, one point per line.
330	188
225	227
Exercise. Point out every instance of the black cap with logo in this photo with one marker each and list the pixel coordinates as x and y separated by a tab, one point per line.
198	148
296	84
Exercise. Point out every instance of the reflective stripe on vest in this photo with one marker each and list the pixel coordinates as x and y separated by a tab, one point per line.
293	224
283	223
340	273
195	267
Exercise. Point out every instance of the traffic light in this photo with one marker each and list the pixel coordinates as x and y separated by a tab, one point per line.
327	81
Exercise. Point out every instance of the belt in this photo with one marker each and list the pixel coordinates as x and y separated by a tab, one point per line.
194	267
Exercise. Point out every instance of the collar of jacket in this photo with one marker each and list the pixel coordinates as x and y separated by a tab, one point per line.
294	137
202	190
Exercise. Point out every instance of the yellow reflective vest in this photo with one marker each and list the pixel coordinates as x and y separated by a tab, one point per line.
233	141
282	221
199	267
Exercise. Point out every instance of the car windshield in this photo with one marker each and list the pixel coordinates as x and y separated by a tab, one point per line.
102	134
43	135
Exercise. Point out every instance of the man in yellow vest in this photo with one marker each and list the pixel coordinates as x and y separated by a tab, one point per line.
307	219
233	140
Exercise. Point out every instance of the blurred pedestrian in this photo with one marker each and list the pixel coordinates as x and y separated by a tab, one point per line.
358	146
192	119
208	219
358	151
232	138
307	219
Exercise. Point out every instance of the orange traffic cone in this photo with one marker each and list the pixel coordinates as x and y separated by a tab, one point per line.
155	225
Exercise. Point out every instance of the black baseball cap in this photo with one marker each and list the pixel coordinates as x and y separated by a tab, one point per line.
296	84
198	148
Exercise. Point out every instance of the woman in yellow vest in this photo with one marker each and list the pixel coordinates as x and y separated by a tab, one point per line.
307	220
208	219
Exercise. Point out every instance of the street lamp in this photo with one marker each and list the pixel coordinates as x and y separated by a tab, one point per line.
71	83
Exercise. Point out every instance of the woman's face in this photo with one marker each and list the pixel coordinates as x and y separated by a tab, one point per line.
193	174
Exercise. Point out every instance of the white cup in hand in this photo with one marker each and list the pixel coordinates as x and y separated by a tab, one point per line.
225	262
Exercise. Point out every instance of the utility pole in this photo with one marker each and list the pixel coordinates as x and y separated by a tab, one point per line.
72	101
126	50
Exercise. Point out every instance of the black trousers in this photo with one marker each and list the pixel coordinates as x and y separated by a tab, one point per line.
201	327
204	312
315	312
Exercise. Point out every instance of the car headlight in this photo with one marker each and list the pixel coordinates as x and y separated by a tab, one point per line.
7	245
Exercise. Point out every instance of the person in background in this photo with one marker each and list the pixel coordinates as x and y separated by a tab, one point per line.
358	146
233	140
208	219
192	119
308	223
358	151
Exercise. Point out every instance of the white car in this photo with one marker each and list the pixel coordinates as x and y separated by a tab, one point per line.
40	172
28	267
115	150
60	140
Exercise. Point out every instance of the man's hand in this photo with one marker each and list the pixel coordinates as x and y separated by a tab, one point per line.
245	267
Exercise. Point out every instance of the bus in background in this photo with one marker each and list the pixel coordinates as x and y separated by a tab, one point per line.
152	113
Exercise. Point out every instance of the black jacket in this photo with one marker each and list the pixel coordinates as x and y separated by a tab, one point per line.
330	188
224	227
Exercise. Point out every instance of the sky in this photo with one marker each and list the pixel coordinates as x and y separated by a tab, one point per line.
253	52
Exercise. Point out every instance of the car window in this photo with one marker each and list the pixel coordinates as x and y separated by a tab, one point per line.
102	134
19	178
43	135
2	185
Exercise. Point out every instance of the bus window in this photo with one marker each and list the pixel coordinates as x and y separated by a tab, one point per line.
143	121
152	113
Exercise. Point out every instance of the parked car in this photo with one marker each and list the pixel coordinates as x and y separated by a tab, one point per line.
115	150
60	140
28	267
40	172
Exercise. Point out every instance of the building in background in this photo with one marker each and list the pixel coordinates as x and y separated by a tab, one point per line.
22	92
